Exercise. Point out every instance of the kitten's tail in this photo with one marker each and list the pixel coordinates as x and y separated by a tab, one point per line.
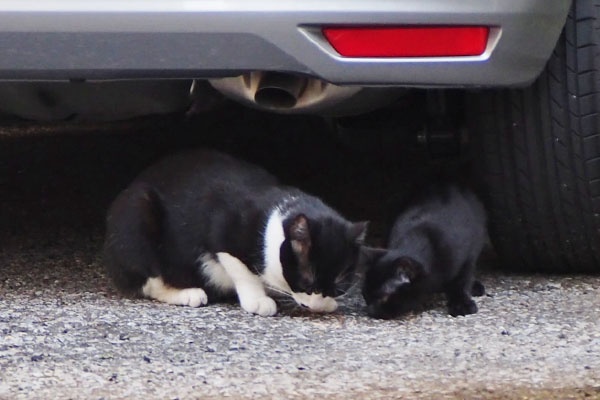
133	235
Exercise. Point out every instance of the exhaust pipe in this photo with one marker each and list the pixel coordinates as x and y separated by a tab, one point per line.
276	90
297	94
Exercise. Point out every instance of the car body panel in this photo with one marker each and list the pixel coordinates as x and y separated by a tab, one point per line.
108	39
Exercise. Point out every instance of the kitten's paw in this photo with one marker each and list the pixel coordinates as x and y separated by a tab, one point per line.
263	306
465	307
477	289
193	297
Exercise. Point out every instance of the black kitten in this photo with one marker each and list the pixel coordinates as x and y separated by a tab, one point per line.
433	246
202	225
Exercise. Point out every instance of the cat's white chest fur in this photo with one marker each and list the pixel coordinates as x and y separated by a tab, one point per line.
274	236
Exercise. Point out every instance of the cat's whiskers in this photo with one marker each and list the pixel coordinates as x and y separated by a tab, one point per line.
277	290
288	302
345	292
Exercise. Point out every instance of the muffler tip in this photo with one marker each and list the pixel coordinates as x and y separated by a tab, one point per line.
274	98
279	91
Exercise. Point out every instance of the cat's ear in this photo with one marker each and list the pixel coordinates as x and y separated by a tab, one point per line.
396	282
357	232
392	285
408	268
299	235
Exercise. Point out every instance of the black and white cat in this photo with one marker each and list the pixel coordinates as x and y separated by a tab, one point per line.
203	226
433	246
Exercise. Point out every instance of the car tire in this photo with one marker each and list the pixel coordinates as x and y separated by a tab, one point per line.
537	151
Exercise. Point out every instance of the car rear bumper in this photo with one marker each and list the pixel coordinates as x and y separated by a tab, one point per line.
108	39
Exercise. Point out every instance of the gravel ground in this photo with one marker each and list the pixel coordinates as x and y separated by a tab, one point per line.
66	333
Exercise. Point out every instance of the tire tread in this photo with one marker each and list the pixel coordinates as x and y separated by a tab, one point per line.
538	151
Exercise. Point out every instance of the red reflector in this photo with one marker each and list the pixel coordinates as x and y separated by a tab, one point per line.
437	41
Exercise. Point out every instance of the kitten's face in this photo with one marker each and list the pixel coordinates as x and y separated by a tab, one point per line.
319	259
389	288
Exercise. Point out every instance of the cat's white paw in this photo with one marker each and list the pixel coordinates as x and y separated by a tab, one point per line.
329	304
263	306
316	302
324	304
156	288
193	297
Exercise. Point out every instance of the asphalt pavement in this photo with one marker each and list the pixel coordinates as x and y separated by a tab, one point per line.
66	333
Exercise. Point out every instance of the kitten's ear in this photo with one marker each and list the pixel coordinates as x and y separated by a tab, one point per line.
358	232
392	285
300	236
408	268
